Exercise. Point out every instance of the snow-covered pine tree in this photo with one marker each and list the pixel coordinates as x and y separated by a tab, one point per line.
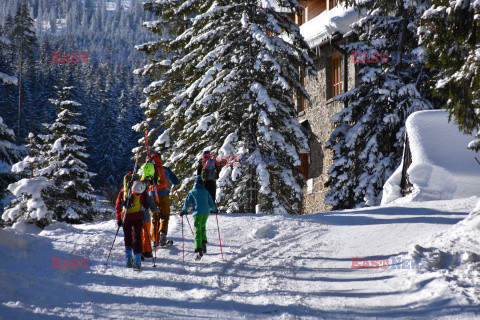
24	41
368	138
5	78
29	205
57	183
240	65
167	81
71	194
456	54
10	153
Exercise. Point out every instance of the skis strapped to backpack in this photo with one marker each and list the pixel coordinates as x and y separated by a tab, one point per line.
155	228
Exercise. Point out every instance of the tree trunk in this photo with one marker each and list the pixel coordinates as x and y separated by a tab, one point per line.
20	95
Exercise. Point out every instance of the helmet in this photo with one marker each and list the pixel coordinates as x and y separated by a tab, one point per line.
148	170
138	187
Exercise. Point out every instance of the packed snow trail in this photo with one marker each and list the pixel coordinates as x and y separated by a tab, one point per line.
274	267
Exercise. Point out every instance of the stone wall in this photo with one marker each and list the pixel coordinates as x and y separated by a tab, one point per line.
318	113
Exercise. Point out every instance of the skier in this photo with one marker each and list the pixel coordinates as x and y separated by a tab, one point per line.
158	177
129	209
209	171
203	204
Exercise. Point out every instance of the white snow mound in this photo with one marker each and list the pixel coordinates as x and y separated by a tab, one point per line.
442	167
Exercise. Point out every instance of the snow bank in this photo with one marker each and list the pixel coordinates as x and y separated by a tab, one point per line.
442	167
454	256
338	20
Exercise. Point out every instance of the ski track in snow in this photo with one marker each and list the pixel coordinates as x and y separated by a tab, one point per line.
274	267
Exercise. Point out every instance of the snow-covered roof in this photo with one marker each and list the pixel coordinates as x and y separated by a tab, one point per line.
442	167
338	20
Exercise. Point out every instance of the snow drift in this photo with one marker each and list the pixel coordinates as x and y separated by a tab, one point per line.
442	167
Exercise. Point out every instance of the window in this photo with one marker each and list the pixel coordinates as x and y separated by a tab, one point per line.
333	3
300	97
336	75
304	166
301	17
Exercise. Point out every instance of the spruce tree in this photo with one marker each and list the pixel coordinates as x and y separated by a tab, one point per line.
72	193
56	183
226	75
456	56
368	138
30	192
4	77
10	153
24	41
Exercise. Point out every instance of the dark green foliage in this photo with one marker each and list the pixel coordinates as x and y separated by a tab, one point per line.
451	33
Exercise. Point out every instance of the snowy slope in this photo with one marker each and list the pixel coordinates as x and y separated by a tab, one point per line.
274	267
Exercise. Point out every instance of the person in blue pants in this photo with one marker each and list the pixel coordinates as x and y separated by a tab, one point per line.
202	203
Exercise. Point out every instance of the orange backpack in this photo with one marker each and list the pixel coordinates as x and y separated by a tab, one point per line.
162	182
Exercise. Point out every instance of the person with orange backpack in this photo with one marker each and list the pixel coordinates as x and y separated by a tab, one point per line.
129	209
158	178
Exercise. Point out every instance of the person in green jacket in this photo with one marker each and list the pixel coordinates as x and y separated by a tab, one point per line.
203	204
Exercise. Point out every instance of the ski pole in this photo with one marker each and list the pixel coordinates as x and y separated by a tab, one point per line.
190	226
183	242
178	197
218	227
155	238
112	246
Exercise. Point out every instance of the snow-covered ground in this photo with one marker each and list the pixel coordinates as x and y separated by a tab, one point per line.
274	267
411	258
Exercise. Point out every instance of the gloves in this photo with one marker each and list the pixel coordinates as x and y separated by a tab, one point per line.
183	213
119	223
213	211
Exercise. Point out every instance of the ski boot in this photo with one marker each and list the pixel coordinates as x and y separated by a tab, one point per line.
199	254
163	239
137	261
129	256
204	246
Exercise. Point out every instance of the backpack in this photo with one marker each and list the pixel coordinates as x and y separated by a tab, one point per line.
134	201
208	170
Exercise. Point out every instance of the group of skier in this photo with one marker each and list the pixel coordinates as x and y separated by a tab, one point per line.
147	196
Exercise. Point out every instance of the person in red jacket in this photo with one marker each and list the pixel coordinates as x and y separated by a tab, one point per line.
130	217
